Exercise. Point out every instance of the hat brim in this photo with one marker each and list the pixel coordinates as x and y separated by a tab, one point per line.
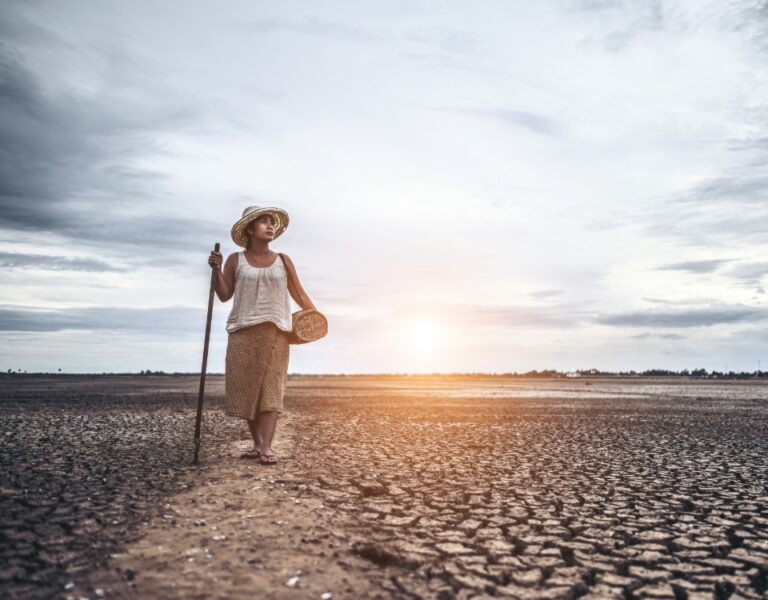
238	229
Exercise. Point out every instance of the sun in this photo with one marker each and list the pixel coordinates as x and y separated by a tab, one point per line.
425	336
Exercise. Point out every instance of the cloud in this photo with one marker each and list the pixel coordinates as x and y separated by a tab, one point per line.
461	317
663	336
622	23
313	26
54	263
740	189
69	158
671	336
432	45
534	122
687	302
716	211
512	316
499	317
749	273
708	228
749	143
546	293
593	5
696	266
438	46
698	317
165	320
183	320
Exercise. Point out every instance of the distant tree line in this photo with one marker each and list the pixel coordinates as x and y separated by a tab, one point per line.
555	374
534	374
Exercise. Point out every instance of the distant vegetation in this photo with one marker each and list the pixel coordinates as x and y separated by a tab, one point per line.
545	374
553	374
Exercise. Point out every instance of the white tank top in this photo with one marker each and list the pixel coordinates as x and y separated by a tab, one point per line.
261	294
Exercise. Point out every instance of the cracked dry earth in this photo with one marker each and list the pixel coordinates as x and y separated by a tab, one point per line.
547	489
387	487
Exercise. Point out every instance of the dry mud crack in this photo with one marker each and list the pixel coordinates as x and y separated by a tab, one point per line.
244	530
546	492
405	488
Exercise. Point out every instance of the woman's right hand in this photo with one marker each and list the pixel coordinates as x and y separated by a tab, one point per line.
215	259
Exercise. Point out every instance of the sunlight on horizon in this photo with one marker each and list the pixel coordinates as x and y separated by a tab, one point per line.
425	336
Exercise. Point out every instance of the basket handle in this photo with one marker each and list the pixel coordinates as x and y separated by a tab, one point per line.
287	270
290	277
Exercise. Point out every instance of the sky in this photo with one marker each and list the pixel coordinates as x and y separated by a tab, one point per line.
490	186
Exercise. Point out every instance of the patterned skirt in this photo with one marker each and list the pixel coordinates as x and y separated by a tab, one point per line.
256	370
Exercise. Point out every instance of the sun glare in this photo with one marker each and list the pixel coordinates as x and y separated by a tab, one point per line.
425	336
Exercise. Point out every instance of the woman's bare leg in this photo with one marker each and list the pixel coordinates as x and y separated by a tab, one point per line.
266	430
253	426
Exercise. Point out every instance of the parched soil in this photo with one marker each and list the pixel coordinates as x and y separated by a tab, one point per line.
84	461
387	487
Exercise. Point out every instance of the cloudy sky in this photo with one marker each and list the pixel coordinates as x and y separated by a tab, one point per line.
485	186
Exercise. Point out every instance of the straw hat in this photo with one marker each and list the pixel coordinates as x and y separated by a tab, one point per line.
254	212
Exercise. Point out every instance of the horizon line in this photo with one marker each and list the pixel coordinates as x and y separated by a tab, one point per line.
545	373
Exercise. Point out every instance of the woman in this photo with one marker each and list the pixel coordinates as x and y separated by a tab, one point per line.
258	325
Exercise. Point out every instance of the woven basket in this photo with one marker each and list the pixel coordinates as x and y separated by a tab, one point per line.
308	326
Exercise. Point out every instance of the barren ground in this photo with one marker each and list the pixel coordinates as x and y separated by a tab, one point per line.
388	487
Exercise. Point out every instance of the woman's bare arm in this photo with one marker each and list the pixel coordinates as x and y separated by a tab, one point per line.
294	286
224	282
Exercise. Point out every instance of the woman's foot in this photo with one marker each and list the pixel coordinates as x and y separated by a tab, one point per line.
251	453
268	458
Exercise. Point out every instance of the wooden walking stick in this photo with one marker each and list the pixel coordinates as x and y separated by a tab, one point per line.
201	393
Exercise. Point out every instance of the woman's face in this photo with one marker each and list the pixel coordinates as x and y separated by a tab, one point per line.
262	228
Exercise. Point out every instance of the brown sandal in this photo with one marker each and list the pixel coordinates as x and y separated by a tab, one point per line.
268	459
251	453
